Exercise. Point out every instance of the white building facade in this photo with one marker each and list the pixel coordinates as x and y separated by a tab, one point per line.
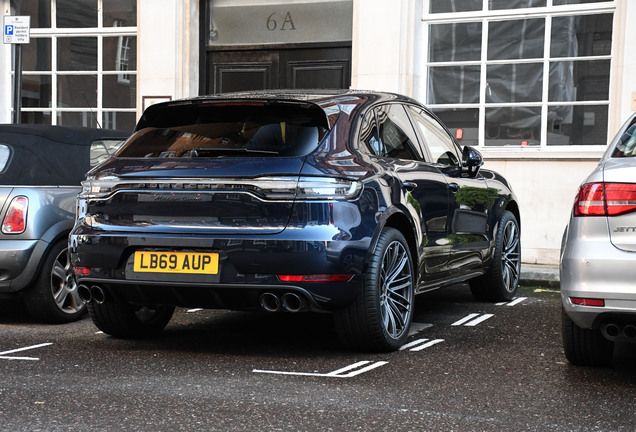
538	86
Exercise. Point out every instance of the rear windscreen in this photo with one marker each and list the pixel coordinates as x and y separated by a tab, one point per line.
626	146
228	130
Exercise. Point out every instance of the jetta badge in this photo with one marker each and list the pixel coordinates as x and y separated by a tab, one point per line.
621	229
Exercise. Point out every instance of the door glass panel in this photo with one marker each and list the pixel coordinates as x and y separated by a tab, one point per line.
517	82
77	54
394	132
515	4
453	84
579	80
513	126
455	42
583	35
516	39
443	6
577	125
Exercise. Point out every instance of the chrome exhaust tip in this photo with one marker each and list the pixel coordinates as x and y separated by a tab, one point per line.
98	295
270	302
292	302
84	293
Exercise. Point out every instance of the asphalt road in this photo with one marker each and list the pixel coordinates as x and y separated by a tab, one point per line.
471	367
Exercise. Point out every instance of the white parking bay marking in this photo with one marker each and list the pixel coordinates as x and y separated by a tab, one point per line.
472	320
3	355
351	370
514	301
465	319
420	344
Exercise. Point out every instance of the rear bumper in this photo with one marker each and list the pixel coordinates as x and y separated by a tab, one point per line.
248	267
19	261
592	268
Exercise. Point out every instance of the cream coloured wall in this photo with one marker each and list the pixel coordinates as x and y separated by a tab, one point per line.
167	49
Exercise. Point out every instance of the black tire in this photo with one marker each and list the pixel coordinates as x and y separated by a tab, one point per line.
128	321
585	347
501	280
380	318
53	297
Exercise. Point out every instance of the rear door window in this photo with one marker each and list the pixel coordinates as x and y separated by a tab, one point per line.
626	146
103	149
391	134
5	154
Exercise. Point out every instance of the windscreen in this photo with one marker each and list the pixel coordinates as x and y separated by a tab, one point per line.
626	146
227	130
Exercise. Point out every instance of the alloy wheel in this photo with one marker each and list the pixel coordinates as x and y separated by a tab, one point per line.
396	285
63	285
510	256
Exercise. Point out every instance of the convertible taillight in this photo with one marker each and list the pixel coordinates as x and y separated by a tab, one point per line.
15	220
605	199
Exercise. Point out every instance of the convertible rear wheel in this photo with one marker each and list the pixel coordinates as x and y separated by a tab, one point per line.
501	280
380	318
53	296
585	347
126	320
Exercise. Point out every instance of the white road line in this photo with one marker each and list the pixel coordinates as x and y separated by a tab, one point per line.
465	319
481	319
411	344
3	355
516	301
335	374
427	345
194	310
25	348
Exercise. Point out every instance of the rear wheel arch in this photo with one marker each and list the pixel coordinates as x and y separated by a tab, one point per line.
402	223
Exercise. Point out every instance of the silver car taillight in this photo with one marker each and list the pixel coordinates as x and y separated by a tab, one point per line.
605	199
15	220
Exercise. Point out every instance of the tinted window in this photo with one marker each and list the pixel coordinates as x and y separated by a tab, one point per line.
102	150
5	152
227	129
396	135
626	146
440	145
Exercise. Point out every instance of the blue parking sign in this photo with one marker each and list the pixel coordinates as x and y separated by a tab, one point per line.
8	30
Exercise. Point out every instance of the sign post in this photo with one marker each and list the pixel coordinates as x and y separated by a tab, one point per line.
17	31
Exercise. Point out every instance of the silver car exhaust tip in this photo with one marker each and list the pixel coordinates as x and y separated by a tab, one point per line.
84	293
98	295
270	302
292	302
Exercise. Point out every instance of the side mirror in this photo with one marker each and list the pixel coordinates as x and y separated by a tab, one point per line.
471	160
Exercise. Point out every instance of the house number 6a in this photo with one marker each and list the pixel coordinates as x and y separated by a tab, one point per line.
287	23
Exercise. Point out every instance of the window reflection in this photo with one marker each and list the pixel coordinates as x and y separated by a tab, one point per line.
515	126
454	84
455	42
579	80
516	39
517	82
76	13
441	6
577	125
578	36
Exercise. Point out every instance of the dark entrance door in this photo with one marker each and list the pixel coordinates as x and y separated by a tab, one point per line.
272	69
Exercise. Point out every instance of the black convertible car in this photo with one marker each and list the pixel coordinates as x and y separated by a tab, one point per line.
346	202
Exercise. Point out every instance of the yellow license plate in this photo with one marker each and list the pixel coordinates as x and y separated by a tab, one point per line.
176	262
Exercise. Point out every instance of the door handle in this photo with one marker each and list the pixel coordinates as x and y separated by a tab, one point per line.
454	187
408	186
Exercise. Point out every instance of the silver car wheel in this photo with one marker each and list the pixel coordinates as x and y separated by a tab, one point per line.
511	256
63	285
396	297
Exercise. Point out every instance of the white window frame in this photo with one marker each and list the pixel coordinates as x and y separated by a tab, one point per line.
100	32
548	12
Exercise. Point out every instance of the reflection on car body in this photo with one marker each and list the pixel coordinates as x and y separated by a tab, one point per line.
345	202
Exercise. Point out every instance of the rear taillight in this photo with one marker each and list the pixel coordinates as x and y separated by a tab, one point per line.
605	199
15	220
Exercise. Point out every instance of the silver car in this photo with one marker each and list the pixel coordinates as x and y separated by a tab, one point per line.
598	257
41	168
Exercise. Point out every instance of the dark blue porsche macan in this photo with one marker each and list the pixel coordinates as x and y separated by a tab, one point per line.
346	202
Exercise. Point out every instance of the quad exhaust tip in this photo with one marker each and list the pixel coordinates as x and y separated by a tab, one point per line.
287	302
94	293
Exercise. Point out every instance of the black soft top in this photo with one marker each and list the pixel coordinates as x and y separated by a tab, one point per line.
49	155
